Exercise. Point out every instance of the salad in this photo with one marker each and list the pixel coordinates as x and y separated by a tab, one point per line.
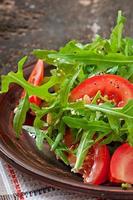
84	108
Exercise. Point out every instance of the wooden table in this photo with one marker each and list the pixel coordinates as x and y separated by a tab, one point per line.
28	24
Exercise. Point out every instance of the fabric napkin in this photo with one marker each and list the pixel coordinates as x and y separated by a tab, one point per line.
15	185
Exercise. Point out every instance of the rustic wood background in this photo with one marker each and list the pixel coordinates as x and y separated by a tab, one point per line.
29	24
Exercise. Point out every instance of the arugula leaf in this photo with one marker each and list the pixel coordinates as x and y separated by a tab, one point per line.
43	54
6	79
72	47
20	115
99	45
116	35
31	129
40	136
85	143
101	135
40	91
125	71
128	108
115	115
66	87
60	135
114	123
128	46
86	57
116	112
96	97
74	122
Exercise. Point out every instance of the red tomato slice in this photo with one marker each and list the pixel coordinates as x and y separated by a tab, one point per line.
36	78
121	166
115	87
95	168
96	165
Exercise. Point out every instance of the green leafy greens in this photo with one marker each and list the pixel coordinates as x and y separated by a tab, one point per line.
20	114
89	123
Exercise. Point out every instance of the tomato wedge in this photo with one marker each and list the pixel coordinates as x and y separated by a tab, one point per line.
36	78
95	169
121	166
96	165
115	87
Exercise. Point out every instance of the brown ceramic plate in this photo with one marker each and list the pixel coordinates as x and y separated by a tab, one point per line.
24	155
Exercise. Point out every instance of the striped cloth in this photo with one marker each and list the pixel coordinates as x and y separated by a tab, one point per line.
15	185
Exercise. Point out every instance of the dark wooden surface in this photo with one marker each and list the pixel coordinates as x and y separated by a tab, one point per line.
28	24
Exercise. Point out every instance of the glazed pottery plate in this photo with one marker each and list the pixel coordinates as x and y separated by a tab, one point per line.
24	155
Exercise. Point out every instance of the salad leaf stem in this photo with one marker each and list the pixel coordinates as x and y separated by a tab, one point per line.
20	115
